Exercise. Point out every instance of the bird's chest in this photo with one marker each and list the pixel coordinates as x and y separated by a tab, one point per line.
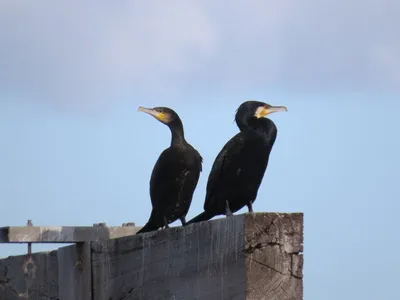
171	167
186	160
254	157
256	147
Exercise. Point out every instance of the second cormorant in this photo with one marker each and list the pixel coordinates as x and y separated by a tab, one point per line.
239	168
175	174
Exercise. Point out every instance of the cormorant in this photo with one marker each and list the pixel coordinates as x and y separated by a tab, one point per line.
239	168
175	174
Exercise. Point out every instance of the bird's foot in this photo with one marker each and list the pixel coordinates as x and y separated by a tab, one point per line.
165	223
250	206
228	211
183	220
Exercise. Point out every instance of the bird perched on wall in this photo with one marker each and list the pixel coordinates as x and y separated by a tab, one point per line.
239	168
175	174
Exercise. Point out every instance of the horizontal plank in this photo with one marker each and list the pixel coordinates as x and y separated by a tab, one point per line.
253	256
63	234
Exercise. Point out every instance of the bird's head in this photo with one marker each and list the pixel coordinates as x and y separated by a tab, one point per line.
255	109
162	114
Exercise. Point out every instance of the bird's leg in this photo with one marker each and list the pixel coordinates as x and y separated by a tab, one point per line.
166	222
183	220
250	206
228	211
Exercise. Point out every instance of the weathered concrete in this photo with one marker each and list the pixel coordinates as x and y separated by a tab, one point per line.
250	256
63	234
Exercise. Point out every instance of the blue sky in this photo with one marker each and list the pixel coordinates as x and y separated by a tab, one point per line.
75	151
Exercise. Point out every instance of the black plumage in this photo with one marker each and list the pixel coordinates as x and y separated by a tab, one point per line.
239	168
175	174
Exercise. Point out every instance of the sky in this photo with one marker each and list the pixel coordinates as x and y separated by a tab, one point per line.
74	150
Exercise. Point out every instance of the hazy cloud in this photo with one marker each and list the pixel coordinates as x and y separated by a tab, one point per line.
75	51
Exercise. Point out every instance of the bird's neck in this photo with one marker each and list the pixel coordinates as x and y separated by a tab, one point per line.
263	125
245	124
178	136
245	121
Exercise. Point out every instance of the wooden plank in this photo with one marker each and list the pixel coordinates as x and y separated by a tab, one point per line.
250	256
63	234
208	260
34	278
200	261
274	259
74	272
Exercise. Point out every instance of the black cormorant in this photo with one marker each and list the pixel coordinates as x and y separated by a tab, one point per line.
175	174
239	168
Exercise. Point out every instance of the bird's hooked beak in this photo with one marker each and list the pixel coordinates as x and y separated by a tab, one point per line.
152	112
264	110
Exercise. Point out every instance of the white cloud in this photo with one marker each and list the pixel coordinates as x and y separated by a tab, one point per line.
69	51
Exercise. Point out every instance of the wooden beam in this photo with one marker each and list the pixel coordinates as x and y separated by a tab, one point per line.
64	234
254	256
74	272
23	278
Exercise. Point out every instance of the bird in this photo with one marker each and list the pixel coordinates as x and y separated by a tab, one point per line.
239	168
175	174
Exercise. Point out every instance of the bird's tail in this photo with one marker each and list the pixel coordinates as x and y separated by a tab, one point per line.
149	226
204	216
153	223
